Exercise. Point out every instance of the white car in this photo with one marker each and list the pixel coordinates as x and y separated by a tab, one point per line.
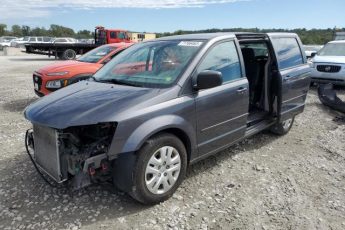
64	40
25	40
5	41
329	64
311	50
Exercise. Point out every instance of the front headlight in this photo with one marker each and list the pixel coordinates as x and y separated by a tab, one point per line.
54	84
58	73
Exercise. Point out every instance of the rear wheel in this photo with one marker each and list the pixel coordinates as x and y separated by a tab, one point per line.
69	54
283	127
160	169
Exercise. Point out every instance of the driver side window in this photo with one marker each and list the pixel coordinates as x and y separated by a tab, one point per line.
223	57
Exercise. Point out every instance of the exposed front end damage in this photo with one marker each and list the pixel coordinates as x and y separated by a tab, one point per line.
75	154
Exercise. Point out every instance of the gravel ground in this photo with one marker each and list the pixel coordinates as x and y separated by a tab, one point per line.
266	182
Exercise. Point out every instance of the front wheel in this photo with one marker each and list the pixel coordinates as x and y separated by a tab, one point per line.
283	127
159	170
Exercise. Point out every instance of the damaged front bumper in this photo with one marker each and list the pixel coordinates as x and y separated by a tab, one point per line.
75	154
328	97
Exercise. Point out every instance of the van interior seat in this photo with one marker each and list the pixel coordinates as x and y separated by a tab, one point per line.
252	70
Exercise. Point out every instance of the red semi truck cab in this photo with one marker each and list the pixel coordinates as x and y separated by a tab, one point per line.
107	36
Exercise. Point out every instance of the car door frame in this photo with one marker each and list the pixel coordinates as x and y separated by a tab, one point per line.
292	78
235	84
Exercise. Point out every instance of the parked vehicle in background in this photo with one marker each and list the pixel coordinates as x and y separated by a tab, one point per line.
17	42
339	36
39	40
87	41
69	51
58	75
328	66
311	50
5	41
64	40
162	105
20	42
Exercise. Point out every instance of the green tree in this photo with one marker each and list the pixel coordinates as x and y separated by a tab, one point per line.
61	31
26	30
37	31
3	29
84	34
17	31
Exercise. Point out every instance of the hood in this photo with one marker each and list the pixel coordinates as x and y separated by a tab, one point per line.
329	59
86	103
66	66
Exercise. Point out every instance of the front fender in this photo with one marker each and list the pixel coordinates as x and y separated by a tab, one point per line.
147	129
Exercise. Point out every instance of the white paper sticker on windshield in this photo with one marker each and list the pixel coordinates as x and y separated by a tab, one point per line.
190	43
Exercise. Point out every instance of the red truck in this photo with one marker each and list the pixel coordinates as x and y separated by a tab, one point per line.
69	51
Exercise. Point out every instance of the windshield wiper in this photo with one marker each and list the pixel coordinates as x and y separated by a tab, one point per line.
117	82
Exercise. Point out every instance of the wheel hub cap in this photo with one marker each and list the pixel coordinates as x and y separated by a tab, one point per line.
162	170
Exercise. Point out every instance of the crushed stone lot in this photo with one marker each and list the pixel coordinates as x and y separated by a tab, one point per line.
266	182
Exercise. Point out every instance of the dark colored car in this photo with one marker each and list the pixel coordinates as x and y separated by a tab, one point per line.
162	105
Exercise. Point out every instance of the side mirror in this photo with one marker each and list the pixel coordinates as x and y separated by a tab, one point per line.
313	54
208	79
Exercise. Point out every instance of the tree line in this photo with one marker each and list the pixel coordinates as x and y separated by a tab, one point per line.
52	31
313	36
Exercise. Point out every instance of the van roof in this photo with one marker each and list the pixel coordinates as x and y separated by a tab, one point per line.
209	36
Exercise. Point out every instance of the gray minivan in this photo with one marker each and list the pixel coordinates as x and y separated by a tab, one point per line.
162	105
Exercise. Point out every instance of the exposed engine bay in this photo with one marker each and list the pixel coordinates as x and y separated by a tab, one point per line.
75	154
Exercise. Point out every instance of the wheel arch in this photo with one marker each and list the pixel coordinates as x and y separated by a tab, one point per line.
173	124
180	134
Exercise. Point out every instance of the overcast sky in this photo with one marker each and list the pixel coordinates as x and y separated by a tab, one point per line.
171	15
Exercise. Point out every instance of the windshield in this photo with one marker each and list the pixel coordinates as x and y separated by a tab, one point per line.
156	64
97	54
333	49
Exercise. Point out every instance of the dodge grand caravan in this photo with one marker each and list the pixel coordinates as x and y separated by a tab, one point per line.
162	105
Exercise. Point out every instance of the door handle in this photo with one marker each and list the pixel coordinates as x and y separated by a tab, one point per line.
241	90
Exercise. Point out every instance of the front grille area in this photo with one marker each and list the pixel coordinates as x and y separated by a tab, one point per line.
328	68
46	152
37	80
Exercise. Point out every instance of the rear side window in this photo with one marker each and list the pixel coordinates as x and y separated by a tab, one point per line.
223	58
289	52
46	39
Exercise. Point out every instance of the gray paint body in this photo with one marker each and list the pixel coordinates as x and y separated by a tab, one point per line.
211	119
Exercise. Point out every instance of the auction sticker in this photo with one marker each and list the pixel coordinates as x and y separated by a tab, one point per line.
190	43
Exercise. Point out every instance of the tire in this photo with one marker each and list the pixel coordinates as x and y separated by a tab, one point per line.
154	178
283	127
69	54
